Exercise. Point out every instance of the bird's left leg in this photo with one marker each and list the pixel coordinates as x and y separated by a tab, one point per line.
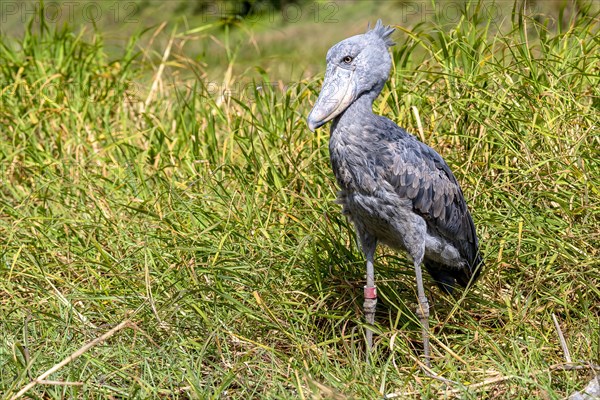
423	310
369	244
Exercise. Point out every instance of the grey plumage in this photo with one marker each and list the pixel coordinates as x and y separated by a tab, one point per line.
404	180
394	188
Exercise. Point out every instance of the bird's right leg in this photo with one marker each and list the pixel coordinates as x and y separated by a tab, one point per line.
369	245
423	311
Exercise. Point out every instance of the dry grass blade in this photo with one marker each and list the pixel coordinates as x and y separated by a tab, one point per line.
563	343
40	379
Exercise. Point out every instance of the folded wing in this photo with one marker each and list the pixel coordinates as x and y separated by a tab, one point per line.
419	173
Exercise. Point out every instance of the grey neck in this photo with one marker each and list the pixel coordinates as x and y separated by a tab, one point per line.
359	110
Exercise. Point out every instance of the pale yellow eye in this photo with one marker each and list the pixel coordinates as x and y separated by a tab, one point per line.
347	59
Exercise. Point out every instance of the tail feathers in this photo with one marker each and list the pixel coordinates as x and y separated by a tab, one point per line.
448	278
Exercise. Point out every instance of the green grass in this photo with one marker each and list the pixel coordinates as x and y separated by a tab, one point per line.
210	222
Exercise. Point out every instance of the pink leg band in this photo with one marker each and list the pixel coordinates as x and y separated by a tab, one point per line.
371	292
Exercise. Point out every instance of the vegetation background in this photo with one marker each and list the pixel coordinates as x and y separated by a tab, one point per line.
163	202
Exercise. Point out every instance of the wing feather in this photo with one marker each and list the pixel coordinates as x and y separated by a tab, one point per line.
420	174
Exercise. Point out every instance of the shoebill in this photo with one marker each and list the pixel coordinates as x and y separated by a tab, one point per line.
395	189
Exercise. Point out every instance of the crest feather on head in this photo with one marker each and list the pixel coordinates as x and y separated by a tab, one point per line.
382	32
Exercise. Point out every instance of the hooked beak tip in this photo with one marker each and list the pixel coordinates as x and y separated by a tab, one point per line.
313	124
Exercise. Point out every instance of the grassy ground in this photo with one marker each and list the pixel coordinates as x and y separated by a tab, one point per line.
198	232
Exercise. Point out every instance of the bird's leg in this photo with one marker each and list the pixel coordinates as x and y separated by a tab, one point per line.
370	303
423	312
370	291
